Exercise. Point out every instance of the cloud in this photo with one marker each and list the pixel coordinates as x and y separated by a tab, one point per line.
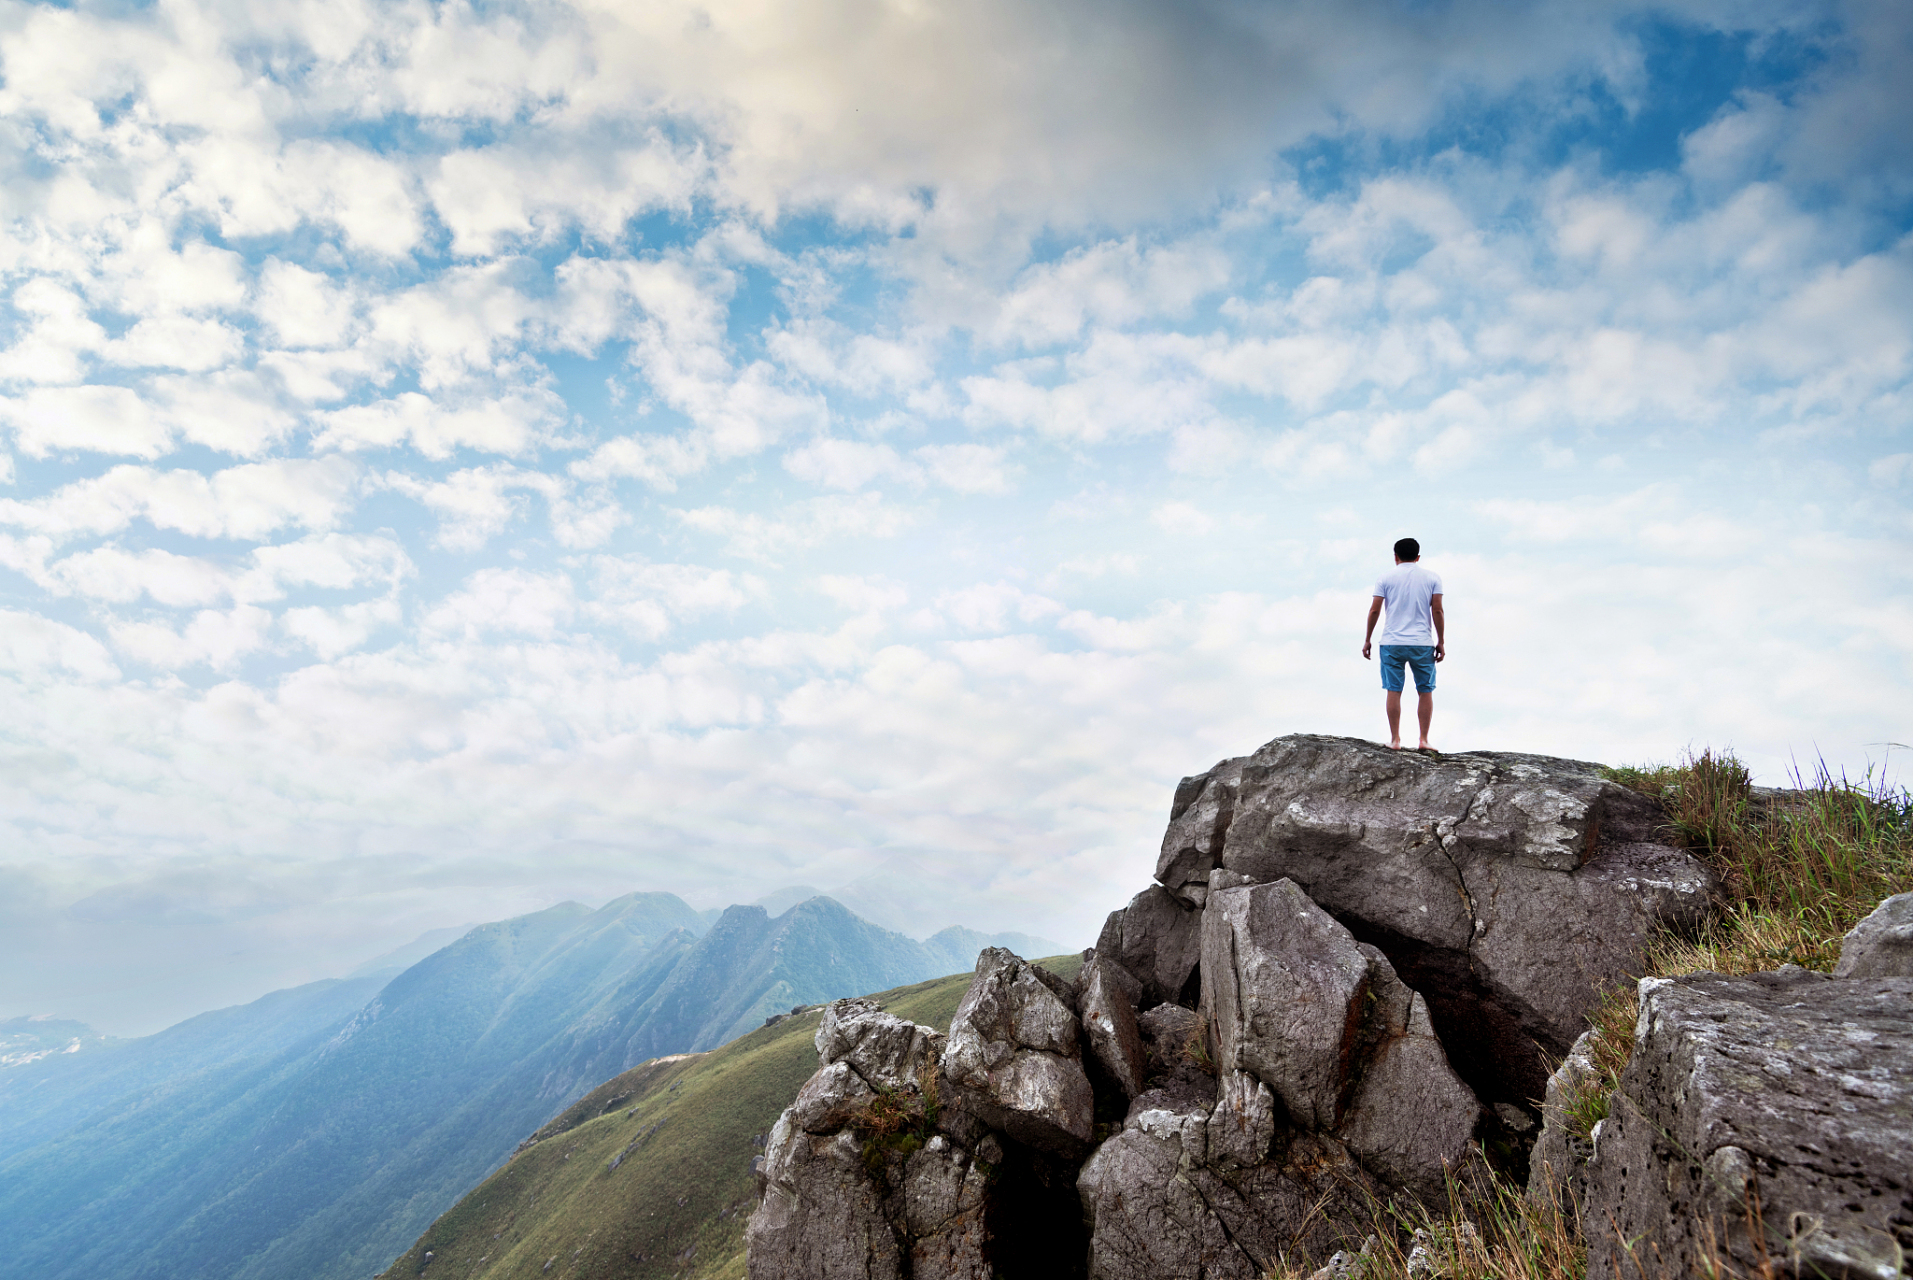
246	502
800	526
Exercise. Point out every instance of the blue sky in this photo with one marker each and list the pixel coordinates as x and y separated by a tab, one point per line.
459	457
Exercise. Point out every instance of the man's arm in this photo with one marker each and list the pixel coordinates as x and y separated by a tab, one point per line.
1374	613
1435	616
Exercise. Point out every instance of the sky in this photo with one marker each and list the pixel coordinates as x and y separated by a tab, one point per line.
460	457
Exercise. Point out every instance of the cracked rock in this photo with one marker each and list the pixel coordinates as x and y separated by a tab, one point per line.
1013	1053
1508	889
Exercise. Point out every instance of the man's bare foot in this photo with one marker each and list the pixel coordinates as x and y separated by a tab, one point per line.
1430	750
1395	744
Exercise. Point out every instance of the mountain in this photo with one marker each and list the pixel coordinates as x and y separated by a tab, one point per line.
649	1175
314	1133
25	1040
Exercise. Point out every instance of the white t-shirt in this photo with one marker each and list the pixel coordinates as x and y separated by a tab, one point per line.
1405	590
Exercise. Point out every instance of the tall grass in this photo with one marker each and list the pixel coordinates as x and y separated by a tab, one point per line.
1799	868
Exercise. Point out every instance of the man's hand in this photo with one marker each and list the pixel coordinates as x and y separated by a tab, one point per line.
1365	648
1374	615
1441	651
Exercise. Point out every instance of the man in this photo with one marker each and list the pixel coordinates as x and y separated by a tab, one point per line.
1413	637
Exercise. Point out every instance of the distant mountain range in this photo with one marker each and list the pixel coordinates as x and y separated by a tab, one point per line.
315	1132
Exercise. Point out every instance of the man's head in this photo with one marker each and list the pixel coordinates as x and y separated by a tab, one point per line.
1407	549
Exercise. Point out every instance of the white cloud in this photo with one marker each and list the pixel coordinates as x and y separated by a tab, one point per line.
969	468
848	464
1180	519
802	525
247	502
505	601
39	649
96	419
216	638
509	423
650	599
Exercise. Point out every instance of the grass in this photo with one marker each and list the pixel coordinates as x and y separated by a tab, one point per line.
648	1176
1799	868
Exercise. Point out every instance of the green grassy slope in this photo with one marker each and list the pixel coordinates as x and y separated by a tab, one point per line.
683	1131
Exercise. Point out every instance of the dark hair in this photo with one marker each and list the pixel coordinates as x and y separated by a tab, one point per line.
1408	549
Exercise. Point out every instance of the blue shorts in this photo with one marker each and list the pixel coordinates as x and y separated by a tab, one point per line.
1421	657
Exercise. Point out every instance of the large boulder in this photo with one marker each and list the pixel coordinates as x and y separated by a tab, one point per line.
1295	1002
1014	1054
1508	889
1157	939
1764	1122
1880	946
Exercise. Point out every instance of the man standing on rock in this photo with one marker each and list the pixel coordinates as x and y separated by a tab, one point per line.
1413	636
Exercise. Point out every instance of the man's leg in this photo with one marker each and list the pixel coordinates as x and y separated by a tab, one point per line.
1395	719
1424	712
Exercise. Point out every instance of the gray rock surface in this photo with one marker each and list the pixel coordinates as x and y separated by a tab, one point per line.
885	1051
1792	1089
1158	940
1013	1053
1880	946
1199	819
823	1213
1109	1023
1158	1211
1324	1022
1241	1128
1507	888
1284	992
1557	1166
1410	1120
944	1195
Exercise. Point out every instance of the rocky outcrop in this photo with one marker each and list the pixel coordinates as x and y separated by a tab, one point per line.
1014	1055
835	1202
1508	889
1764	1120
1357	965
1880	946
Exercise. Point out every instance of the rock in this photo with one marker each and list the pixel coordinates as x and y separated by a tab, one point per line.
1157	940
829	1099
1199	819
1411	1119
822	1212
1013	1053
1347	1266
1242	1125
1169	1032
1792	1089
1557	1167
1284	993
944	1195
1880	946
1109	1022
821	1216
885	1051
1157	1211
1476	874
